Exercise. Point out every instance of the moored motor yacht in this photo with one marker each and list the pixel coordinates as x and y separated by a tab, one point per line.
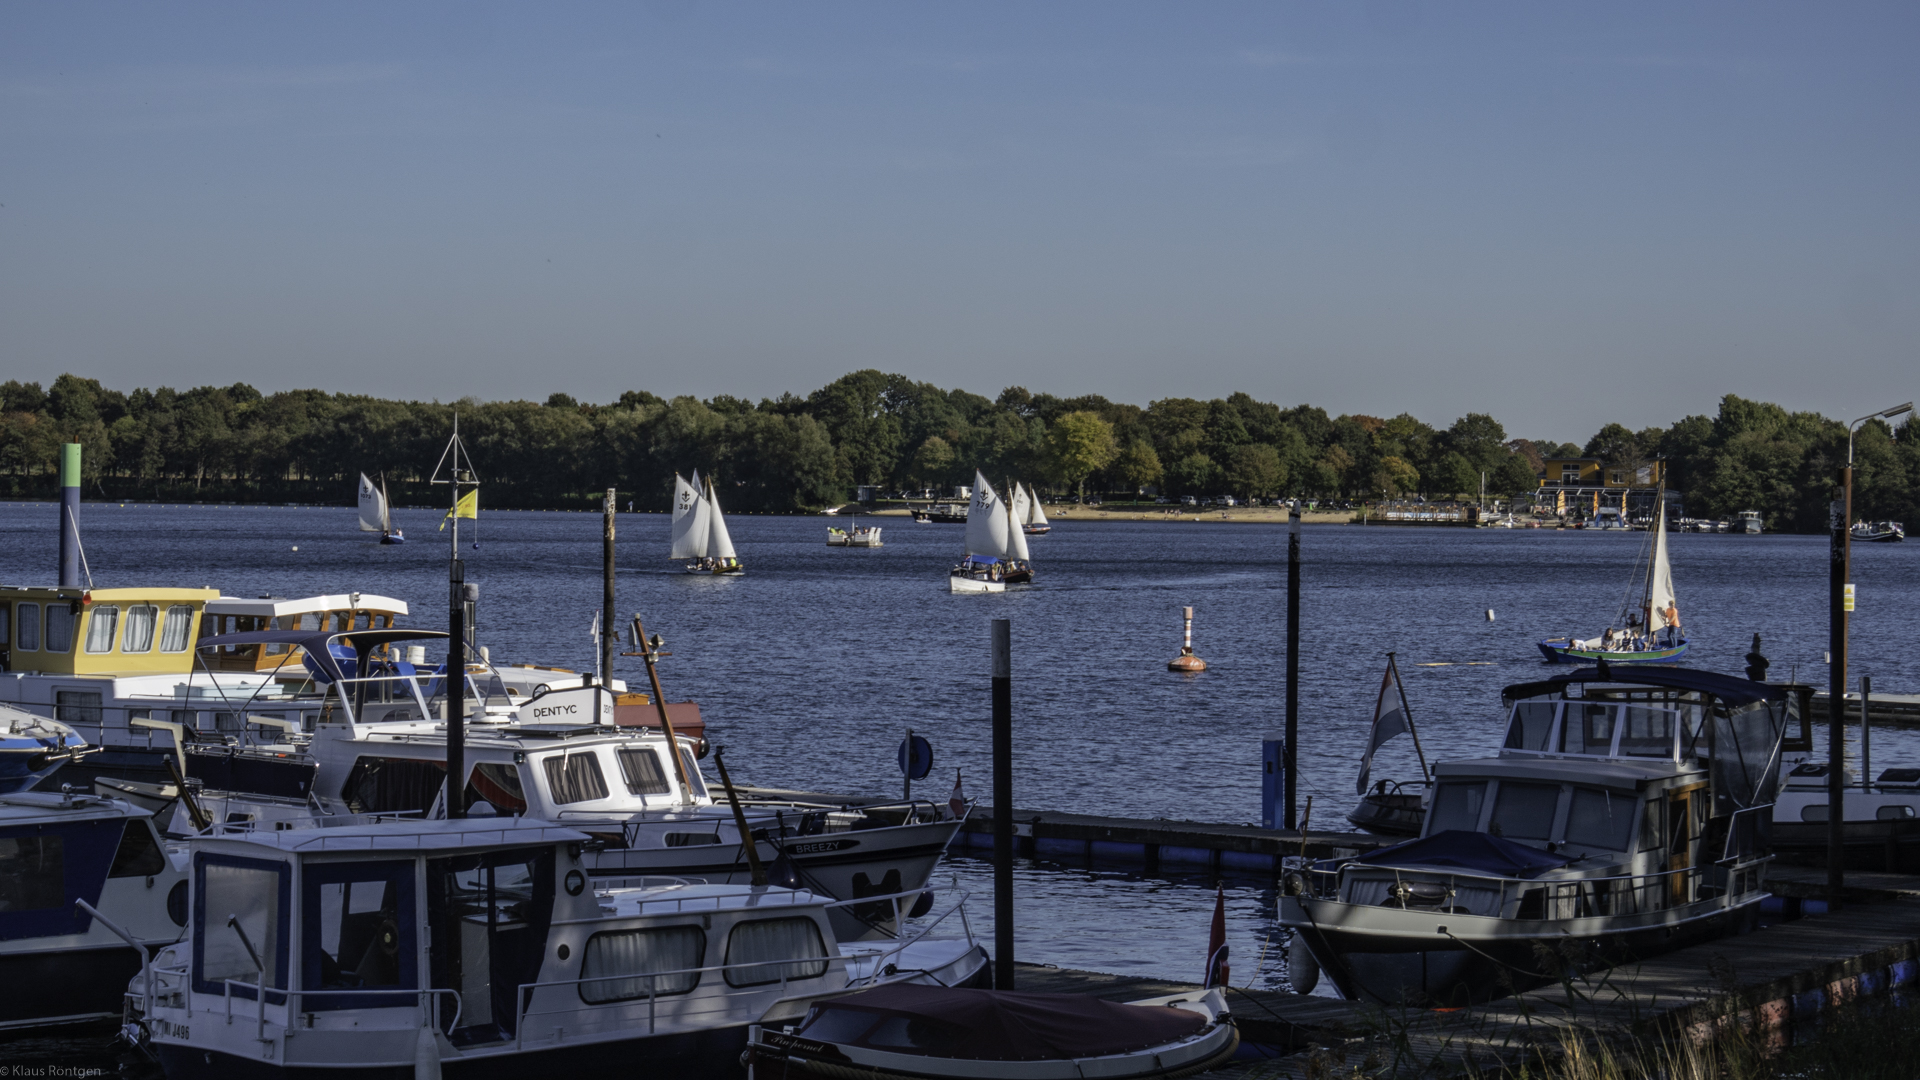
381	747
86	893
1624	815
480	947
33	747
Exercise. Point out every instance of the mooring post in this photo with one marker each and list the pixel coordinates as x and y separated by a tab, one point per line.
1002	805
70	515
607	634
1866	732
1840	517
1290	749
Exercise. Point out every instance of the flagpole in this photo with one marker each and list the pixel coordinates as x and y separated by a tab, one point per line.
1407	711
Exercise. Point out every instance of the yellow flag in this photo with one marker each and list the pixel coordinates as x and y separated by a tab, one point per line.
467	507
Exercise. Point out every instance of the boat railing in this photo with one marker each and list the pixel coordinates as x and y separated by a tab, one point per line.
1532	898
296	1000
759	987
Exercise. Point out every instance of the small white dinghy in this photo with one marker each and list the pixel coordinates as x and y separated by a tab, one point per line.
936	1031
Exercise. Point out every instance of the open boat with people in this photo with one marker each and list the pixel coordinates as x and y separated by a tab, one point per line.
700	529
1625	815
375	515
1648	628
481	947
1879	532
917	1030
860	536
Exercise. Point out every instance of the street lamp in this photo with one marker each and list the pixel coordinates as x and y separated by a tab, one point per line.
1840	522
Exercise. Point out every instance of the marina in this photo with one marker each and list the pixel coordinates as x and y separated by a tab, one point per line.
1102	829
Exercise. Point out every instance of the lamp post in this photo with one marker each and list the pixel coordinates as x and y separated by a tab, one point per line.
1840	522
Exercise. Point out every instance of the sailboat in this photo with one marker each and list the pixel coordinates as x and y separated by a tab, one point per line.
989	536
1026	510
1651	634
700	529
374	516
1019	569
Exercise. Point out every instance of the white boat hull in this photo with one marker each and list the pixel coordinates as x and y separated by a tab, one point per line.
959	584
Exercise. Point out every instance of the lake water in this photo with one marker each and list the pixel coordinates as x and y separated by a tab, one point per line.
810	668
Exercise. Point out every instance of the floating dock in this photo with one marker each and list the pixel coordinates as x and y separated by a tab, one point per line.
1889	710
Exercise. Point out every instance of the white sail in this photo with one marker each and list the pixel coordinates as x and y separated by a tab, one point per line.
373	508
1020	501
986	521
690	527
1035	515
1660	578
386	507
1016	536
719	544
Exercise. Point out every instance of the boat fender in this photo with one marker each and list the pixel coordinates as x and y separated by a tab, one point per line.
1303	971
426	1054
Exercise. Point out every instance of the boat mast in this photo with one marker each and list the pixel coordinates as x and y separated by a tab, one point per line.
459	471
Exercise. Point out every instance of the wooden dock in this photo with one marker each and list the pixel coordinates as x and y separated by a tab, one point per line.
1785	974
1889	710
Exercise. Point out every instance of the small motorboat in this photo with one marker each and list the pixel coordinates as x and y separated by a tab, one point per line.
934	1031
1392	808
32	747
1879	532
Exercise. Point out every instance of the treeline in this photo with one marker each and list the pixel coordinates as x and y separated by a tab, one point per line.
790	453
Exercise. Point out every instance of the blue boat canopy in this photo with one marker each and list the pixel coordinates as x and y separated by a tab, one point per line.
324	651
1460	849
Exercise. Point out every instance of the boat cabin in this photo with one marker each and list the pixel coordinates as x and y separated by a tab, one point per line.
370	944
336	612
100	631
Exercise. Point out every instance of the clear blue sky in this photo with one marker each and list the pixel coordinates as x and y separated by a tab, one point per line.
1561	214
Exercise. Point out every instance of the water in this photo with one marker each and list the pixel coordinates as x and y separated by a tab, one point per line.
810	668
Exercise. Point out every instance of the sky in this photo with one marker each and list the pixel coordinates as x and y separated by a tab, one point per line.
1561	214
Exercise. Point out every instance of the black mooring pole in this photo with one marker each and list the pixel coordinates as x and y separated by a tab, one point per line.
1841	517
1002	805
607	633
456	683
1290	751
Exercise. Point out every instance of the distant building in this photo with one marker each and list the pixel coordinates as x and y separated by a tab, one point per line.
1580	487
867	493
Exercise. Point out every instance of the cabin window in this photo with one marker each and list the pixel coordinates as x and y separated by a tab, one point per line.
254	894
769	950
33	875
102	621
76	707
621	965
1457	806
29	627
6	620
139	854
1588	730
641	770
173	632
1600	819
1532	726
138	636
575	778
1647	732
1524	811
693	775
498	785
358	927
393	785
59	628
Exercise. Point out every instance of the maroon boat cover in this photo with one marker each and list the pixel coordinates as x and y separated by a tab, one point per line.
996	1025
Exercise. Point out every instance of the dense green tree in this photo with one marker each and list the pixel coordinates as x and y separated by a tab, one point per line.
1081	444
1255	470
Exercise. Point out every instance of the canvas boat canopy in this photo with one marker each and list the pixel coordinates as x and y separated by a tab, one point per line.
1459	849
994	1025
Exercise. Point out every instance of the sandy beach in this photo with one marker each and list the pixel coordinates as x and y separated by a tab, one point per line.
1243	514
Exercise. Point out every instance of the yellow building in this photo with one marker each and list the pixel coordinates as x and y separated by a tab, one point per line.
1594	473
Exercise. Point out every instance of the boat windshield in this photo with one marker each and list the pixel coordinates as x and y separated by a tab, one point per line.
1456	805
1648	732
1531	727
1524	811
1589	729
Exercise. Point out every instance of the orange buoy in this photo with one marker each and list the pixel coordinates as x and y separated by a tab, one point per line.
1186	661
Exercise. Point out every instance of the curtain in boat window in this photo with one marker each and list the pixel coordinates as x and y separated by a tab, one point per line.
59	628
102	621
633	956
768	950
173	632
29	627
138	636
640	768
573	778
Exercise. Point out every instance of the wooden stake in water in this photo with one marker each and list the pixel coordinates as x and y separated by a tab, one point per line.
1002	647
